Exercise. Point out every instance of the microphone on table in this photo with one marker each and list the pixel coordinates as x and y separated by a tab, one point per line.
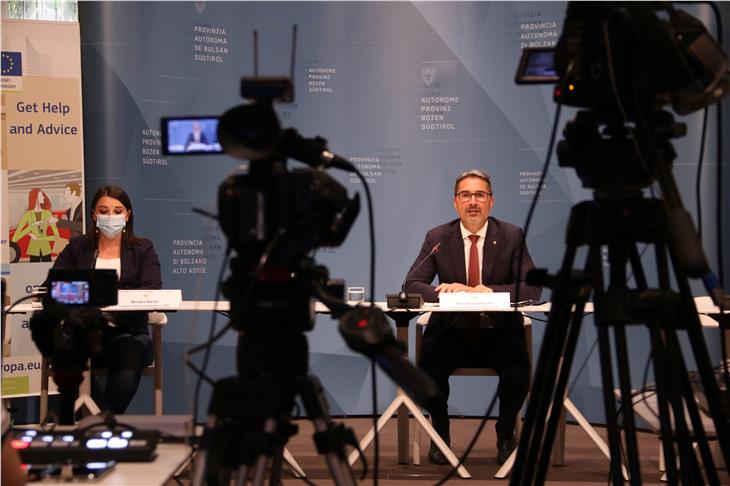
401	300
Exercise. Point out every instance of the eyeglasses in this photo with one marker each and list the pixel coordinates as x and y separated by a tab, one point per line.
481	196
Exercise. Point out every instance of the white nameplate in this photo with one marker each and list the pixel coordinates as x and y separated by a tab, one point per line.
146	299
480	300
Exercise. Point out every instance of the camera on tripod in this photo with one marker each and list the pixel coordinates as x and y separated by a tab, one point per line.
68	329
274	218
622	62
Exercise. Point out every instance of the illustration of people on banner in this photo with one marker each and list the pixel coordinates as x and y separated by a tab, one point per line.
73	218
35	224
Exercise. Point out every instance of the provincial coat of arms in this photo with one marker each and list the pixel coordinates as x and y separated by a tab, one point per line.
199	6
428	75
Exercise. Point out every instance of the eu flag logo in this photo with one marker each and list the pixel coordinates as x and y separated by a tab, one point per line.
12	64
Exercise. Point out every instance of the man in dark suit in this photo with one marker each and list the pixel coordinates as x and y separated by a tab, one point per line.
478	253
196	136
73	220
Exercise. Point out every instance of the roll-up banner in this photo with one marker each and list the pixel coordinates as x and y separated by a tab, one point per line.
42	172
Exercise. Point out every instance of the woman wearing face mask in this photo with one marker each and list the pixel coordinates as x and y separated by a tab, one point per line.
111	244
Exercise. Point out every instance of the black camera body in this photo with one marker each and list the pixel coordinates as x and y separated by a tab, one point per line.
627	49
307	209
622	62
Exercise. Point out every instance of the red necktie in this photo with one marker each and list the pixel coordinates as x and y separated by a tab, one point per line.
473	278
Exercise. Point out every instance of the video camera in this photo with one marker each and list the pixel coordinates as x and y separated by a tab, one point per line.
654	61
272	217
624	62
68	329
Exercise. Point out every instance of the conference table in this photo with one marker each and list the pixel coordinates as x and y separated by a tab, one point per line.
709	313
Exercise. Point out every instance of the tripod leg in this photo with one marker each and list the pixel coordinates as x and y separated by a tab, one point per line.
698	434
556	411
261	464
665	425
608	403
603	302
632	449
681	312
329	439
712	391
542	393
242	475
276	463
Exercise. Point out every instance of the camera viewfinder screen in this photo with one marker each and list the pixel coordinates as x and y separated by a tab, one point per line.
537	66
181	136
70	293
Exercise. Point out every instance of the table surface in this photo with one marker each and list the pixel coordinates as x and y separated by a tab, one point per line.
704	306
169	458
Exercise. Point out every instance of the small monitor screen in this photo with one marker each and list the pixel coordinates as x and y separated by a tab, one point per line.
537	66
71	292
190	135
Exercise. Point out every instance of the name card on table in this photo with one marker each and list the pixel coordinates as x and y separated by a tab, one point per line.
146	299
479	300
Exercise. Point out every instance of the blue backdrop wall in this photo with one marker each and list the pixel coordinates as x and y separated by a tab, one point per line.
412	93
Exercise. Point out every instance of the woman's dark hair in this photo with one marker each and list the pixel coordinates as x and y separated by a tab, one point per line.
117	193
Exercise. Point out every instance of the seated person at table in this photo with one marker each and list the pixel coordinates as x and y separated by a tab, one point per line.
111	244
196	137
478	253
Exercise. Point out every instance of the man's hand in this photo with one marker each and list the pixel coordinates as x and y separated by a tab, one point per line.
459	287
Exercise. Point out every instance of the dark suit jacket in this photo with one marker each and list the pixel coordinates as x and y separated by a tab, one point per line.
140	269
499	268
191	139
74	221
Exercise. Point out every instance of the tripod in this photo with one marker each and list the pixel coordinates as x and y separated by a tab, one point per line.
620	222
249	415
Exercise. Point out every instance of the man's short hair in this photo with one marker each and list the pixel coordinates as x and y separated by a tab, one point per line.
473	173
74	187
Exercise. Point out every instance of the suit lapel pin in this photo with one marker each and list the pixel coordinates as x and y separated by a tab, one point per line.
494	242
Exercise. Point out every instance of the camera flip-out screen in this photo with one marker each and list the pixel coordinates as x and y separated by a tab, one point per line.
83	288
190	135
537	65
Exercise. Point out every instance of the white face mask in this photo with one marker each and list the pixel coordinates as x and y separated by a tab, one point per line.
110	225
